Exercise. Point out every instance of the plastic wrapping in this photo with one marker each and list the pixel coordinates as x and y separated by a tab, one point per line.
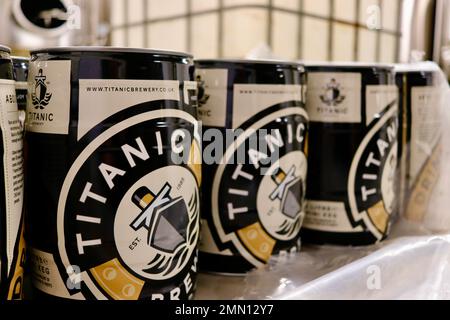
422	139
414	263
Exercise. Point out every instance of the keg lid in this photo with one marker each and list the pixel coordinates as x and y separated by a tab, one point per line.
347	65
426	66
94	49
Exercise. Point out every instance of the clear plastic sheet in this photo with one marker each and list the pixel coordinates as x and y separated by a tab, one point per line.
414	263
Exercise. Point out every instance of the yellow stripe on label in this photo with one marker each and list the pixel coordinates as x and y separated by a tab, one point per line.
419	200
194	162
257	241
379	217
306	144
117	281
280	177
145	201
15	291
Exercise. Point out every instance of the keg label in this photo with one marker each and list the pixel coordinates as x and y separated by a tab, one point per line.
257	200
212	96
373	178
259	204
426	122
11	132
328	216
426	149
46	276
48	103
332	97
100	99
377	98
131	225
251	99
421	197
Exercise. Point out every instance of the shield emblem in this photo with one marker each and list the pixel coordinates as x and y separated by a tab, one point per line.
170	228
289	191
290	204
166	219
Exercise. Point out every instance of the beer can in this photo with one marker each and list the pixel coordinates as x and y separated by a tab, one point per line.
353	145
420	136
12	246
113	176
20	65
254	162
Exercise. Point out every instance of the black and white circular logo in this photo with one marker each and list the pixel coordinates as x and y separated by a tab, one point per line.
128	215
164	204
280	196
258	204
373	178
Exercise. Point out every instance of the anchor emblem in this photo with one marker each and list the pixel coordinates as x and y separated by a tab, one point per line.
40	97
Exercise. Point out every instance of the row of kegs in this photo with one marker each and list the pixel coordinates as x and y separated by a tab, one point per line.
126	194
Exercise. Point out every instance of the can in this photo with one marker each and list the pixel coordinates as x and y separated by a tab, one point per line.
20	65
421	149
353	172
113	173
12	246
254	162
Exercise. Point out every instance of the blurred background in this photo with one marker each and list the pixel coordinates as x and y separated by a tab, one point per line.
332	30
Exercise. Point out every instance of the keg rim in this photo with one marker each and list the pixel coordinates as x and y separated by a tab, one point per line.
111	49
267	62
348	65
20	58
427	66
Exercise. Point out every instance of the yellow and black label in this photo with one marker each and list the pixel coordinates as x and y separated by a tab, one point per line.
15	291
131	223
258	204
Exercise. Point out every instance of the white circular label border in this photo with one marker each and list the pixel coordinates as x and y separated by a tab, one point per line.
84	155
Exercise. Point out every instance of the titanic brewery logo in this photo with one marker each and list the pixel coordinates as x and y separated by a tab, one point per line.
289	191
167	221
373	179
40	97
258	206
130	220
332	95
